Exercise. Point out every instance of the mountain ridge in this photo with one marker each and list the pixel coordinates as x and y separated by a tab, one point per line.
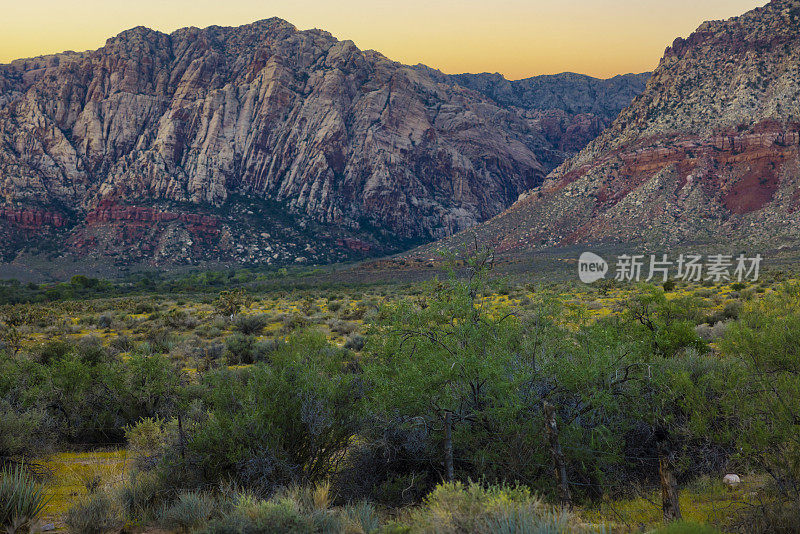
343	146
707	154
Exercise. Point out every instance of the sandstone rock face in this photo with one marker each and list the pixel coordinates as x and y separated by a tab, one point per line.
130	145
708	154
568	109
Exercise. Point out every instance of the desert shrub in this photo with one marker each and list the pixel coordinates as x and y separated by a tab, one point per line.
669	324
263	349
293	322
146	439
54	350
450	362
355	312
229	303
766	340
122	343
711	333
21	499
773	515
105	320
355	343
250	325
389	464
268	426
24	431
90	350
281	517
142	308
342	327
472	508
188	512
208	331
179	319
240	349
142	494
94	402
747	294
159	341
732	309
361	517
98	513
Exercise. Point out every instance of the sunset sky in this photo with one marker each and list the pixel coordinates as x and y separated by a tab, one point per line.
518	38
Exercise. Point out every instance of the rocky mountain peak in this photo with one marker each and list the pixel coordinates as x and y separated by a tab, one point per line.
296	144
708	153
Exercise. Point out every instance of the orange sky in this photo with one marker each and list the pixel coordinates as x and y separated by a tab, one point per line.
518	38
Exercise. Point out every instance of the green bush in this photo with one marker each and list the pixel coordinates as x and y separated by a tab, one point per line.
268	426
240	349
250	325
23	431
54	350
188	512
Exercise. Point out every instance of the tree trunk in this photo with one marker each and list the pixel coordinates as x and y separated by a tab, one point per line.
181	440
448	447
670	505
559	464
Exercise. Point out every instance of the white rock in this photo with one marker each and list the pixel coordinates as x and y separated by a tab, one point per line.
731	479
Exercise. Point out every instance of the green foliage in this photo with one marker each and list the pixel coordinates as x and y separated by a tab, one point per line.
240	349
767	341
448	355
229	303
669	324
271	425
23	430
80	397
21	499
250	325
682	527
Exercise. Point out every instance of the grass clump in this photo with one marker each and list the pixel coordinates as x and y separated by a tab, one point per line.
96	514
21	499
188	512
457	507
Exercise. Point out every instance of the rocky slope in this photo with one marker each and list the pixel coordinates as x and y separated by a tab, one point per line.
262	144
568	109
708	154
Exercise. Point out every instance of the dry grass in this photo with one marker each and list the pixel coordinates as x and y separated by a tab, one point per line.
74	472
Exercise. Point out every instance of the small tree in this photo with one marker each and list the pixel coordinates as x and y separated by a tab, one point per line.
446	361
767	342
668	323
229	303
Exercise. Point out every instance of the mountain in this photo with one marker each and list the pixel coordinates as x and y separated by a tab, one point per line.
266	144
568	109
707	154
